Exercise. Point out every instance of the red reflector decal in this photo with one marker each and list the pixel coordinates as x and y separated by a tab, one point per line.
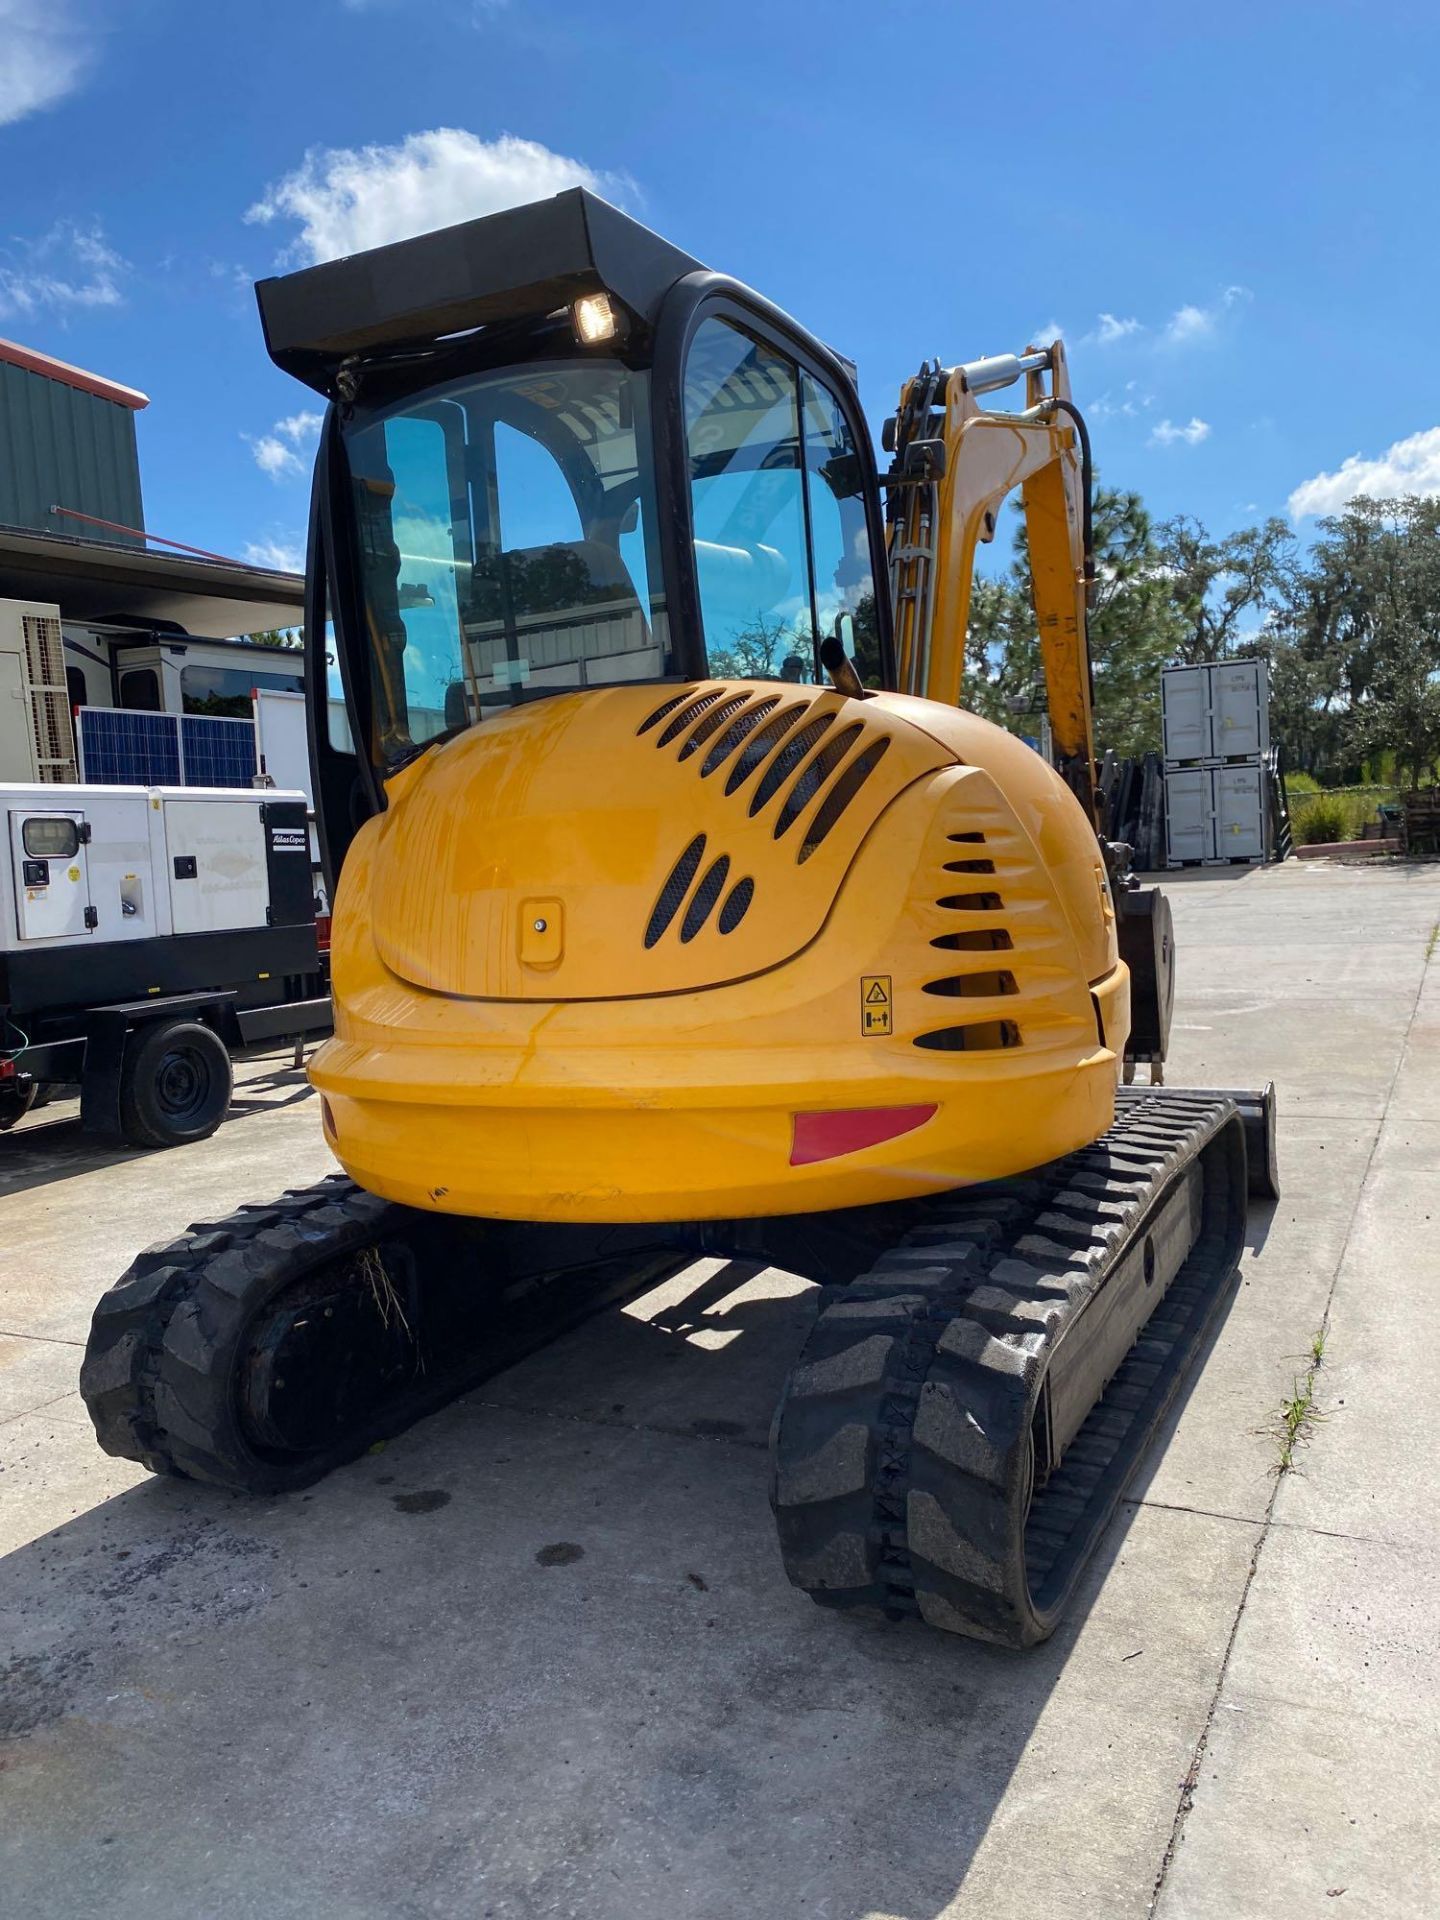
7	1069
822	1136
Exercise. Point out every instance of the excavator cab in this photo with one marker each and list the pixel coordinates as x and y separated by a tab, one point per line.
612	468
679	908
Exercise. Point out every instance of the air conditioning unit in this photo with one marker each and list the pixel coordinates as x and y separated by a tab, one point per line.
37	732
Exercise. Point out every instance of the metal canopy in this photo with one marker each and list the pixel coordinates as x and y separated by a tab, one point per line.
524	262
99	579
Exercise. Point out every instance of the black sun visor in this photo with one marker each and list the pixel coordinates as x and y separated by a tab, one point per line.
526	261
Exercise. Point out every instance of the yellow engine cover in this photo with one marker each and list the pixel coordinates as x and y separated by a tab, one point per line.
577	811
714	951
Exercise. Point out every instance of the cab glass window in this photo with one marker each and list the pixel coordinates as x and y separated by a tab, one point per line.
839	532
507	533
752	564
51	839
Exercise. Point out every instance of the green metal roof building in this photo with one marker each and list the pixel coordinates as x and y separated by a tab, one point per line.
68	458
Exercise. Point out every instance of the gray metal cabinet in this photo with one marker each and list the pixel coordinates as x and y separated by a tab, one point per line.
1189	831
1239	813
1219	712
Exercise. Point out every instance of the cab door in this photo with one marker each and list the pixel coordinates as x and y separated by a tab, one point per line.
52	878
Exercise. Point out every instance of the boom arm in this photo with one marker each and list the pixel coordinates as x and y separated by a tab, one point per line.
955	463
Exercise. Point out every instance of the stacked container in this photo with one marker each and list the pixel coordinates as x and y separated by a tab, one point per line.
1216	722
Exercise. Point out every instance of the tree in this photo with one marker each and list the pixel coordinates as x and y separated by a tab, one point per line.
758	652
1214	584
287	637
1355	647
1135	629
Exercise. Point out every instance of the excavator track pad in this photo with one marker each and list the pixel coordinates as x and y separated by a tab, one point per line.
261	1351
964	1418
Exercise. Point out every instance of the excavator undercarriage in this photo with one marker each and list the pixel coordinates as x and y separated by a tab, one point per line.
648	943
984	1372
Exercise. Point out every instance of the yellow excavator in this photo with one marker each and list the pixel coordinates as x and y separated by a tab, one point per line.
679	909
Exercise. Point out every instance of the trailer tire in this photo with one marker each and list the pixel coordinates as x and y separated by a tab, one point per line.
175	1084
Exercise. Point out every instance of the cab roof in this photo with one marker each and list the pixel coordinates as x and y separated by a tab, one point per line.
522	263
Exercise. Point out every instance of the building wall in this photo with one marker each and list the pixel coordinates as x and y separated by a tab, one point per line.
64	447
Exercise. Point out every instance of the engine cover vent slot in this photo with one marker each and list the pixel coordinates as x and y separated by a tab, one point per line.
715	718
788	759
693	712
654	719
813	776
981	986
760	744
971	902
743	723
705	896
980	940
841	794
981	1036
675	889
737	905
969	866
967	839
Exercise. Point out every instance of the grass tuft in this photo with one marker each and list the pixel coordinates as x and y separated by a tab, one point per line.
1299	1415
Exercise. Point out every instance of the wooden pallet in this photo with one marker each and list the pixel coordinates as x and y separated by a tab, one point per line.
1420	821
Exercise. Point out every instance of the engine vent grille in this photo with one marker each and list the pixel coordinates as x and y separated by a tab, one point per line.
977	940
972	1036
980	1036
788	759
813	775
971	902
677	885
760	744
736	905
688	715
982	986
742	725
677	890
841	794
704	898
792	747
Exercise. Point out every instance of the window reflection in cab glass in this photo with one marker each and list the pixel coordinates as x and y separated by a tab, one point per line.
751	558
506	526
840	535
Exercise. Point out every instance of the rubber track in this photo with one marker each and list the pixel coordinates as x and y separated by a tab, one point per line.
903	1448
162	1367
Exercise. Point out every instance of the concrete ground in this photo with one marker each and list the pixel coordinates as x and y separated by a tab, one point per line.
570	1678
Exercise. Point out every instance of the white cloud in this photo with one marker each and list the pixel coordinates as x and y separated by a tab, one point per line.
1047	335
1167	434
44	55
1409	466
1108	329
67	268
1129	404
346	199
284	553
284	451
1190	324
64	269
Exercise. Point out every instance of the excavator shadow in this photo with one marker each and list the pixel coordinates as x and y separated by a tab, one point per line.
541	1649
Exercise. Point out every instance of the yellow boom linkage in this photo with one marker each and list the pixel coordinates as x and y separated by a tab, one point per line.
956	462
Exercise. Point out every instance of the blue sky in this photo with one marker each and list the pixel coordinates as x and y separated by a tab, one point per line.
1229	212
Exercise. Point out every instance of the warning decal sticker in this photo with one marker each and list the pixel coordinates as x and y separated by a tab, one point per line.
875	1007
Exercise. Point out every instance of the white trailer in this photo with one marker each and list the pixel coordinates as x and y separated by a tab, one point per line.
144	932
